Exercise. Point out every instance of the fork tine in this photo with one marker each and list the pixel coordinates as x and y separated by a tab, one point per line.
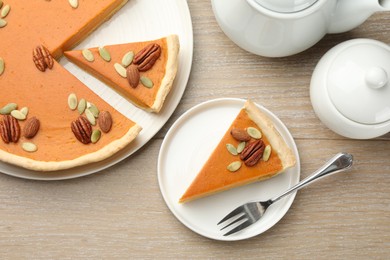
235	212
235	221
238	228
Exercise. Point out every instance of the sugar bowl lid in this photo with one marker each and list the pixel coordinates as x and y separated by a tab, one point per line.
358	80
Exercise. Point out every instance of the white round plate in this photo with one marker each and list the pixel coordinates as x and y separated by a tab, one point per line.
186	147
136	21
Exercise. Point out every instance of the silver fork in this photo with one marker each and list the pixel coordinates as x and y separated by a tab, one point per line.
251	212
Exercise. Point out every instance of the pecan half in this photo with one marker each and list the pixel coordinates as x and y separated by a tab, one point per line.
240	134
9	129
253	152
82	129
42	58
31	127
146	58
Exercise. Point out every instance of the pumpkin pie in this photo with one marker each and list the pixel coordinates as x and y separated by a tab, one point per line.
251	150
142	72
60	123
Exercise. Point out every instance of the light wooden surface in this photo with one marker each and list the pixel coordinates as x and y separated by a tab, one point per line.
120	213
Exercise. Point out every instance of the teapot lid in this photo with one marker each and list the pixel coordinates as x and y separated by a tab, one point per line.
358	81
286	6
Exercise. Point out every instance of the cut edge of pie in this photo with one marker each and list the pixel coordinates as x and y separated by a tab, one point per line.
99	155
279	146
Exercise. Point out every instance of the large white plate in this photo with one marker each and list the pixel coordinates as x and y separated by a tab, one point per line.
187	146
136	21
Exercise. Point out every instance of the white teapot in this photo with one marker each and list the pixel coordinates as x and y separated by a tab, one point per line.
277	28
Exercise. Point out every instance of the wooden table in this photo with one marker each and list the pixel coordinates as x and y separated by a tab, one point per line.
120	213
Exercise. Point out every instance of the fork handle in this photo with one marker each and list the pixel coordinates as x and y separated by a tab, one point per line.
340	162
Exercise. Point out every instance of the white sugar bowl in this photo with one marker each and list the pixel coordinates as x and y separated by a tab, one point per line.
350	89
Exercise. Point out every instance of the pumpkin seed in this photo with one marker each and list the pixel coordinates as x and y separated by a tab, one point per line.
147	82
240	147
3	23
8	108
72	101
2	66
29	147
231	149
253	132
5	11
24	110
104	54
127	59
90	116
120	69
93	109
81	106
74	3
18	115
234	166
88	55
1	3
266	153
95	135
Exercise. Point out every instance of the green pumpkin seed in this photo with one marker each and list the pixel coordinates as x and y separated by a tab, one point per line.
72	101
81	106
29	147
120	69
266	153
147	82
3	23
2	66
231	149
24	110
95	111
253	132
95	135
6	110
234	166
18	115
127	59
5	11
74	3
104	54
240	147
90	116
88	55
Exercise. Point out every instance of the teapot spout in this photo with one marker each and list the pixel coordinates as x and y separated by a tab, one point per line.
351	13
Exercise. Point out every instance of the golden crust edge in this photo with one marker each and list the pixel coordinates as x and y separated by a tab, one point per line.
173	46
96	156
278	144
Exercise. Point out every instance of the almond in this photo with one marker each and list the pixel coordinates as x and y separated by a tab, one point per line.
240	135
105	121
133	76
31	127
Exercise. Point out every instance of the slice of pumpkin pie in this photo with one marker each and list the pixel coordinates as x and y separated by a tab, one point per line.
142	72
251	150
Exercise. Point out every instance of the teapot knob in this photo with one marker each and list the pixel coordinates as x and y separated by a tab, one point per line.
376	77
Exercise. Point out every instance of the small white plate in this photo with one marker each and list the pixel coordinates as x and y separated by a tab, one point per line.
186	147
129	25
